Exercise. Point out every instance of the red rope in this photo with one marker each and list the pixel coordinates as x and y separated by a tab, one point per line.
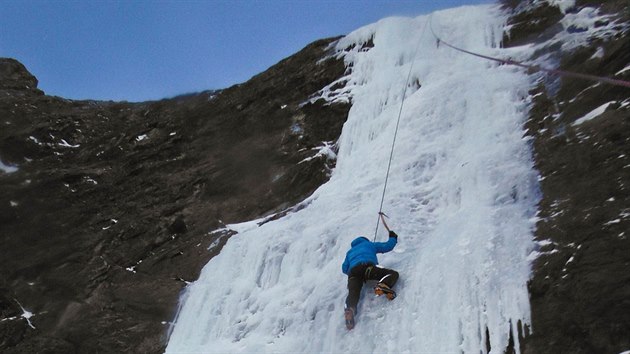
538	68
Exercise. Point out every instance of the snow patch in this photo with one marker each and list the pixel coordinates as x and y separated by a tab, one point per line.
593	114
7	168
112	223
90	180
218	240
599	53
132	269
64	143
535	254
563	5
581	26
142	137
326	151
579	30
26	315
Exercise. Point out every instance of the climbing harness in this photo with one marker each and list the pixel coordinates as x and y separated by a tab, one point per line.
535	68
402	104
368	271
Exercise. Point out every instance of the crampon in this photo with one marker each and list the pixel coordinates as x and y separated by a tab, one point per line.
349	317
383	289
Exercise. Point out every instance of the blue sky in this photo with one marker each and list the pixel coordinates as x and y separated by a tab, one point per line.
140	50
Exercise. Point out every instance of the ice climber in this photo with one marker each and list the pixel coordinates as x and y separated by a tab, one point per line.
361	265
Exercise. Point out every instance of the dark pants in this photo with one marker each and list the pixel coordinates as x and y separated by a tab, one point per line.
362	273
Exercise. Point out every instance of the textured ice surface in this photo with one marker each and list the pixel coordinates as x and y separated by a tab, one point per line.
462	196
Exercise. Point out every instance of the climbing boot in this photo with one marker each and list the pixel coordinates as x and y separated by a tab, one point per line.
383	289
349	316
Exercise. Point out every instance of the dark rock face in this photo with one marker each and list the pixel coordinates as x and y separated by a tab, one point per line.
14	76
536	25
580	289
107	208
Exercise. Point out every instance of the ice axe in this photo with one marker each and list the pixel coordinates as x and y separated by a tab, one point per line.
383	216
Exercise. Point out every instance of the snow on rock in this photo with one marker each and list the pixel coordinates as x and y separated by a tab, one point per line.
627	68
7	168
579	29
563	5
581	26
142	137
599	53
326	150
64	143
593	114
26	315
462	195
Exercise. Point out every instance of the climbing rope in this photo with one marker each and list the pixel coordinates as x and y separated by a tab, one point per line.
391	153
535	68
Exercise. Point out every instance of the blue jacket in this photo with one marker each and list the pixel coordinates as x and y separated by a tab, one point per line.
364	251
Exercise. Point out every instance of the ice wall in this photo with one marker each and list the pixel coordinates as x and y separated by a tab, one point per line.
462	196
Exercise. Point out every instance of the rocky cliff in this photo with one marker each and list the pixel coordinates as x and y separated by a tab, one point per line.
580	289
107	208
